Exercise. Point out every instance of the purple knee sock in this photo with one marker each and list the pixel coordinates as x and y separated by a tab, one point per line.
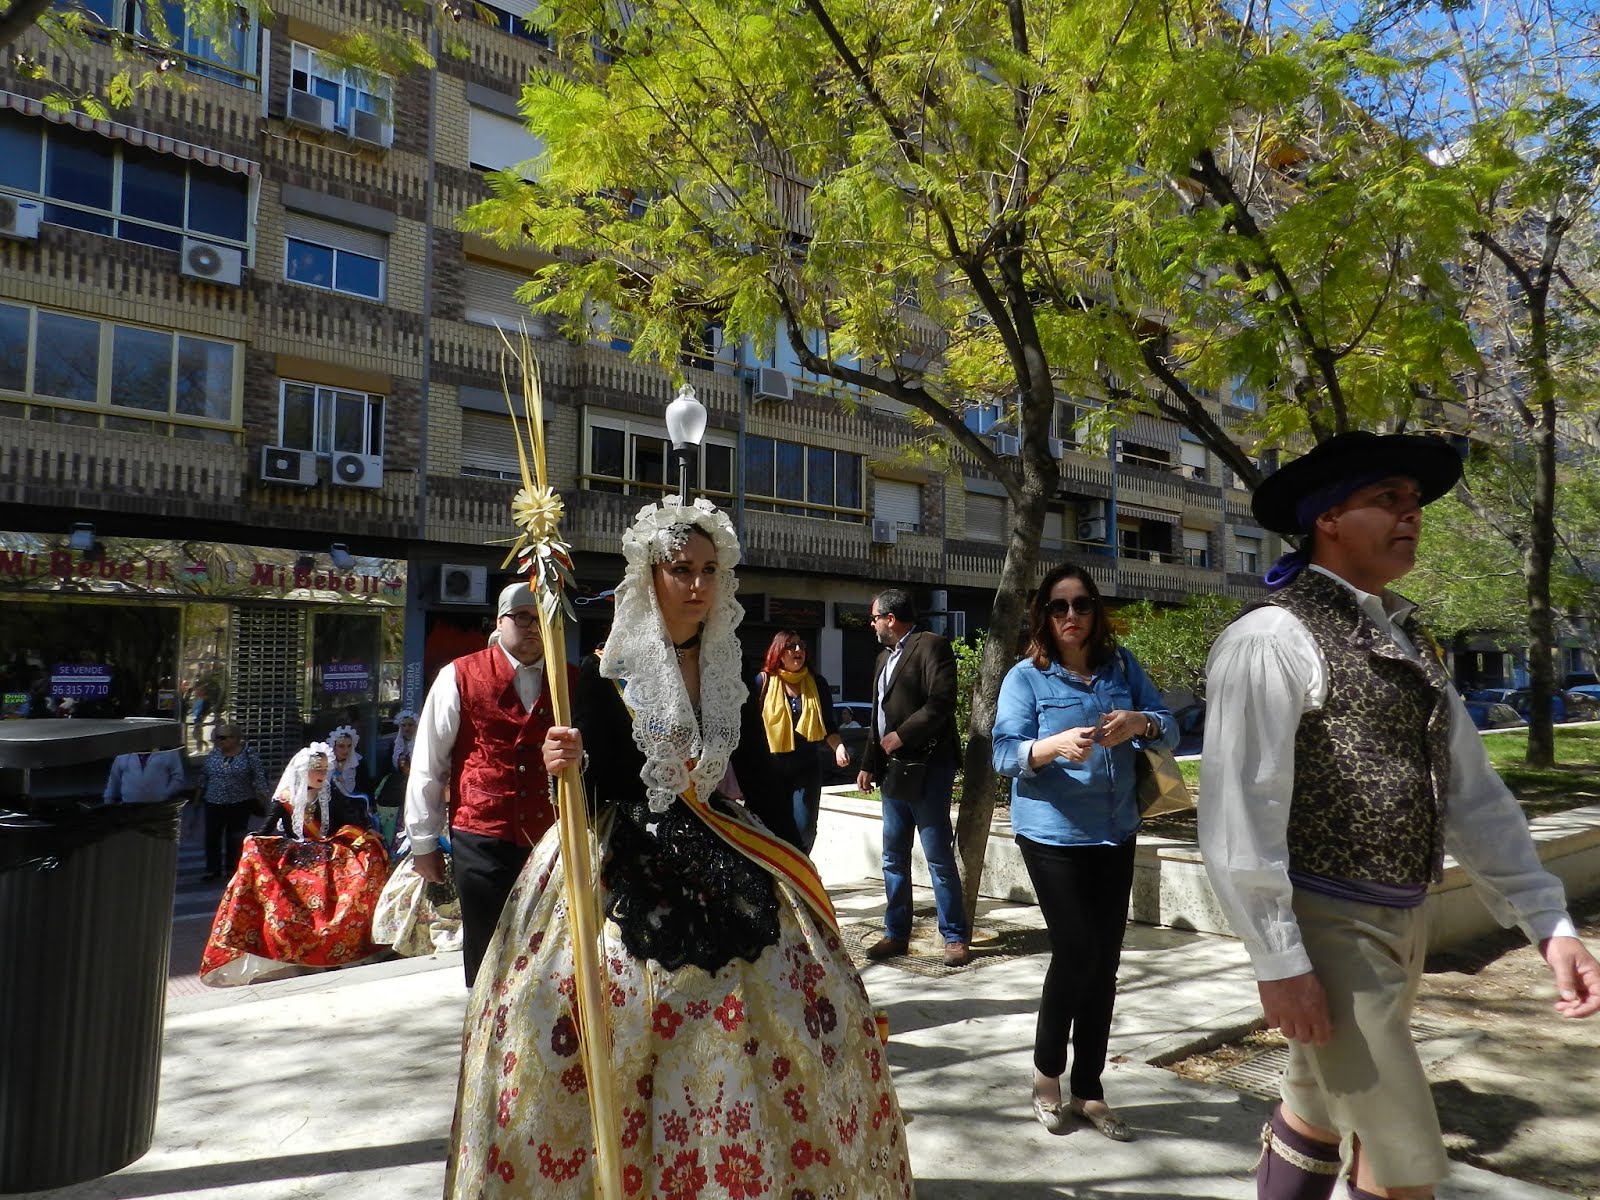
1360	1193
1293	1166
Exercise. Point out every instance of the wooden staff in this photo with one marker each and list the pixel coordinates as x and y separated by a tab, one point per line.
546	559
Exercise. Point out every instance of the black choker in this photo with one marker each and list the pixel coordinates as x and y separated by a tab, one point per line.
683	647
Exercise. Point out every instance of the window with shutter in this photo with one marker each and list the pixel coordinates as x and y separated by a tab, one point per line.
497	143
340	258
488	447
900	502
1052	534
1197	547
491	298
986	518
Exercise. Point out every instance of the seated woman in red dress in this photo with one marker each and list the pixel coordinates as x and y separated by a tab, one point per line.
307	884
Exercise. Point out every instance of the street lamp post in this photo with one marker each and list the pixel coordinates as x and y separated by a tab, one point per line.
686	426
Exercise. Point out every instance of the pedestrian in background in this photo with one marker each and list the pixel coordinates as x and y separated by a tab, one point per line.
233	788
913	752
145	778
797	711
1070	716
476	770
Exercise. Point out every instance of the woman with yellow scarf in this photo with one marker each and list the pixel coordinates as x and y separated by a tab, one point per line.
797	710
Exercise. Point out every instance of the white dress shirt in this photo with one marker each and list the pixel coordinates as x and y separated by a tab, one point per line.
1264	672
426	811
888	674
159	777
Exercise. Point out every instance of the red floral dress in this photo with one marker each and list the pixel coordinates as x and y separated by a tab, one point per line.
304	902
763	1079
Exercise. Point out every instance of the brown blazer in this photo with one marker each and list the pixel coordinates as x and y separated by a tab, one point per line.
920	705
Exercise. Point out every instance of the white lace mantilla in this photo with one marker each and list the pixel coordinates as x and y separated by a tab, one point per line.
639	653
292	789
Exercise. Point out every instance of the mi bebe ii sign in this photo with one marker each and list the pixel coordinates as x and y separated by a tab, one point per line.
133	567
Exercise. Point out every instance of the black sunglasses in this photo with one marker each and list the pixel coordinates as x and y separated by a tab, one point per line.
1082	605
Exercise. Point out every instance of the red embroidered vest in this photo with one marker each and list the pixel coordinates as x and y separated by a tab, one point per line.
499	787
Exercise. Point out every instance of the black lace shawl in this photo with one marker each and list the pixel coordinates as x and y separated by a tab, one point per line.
680	895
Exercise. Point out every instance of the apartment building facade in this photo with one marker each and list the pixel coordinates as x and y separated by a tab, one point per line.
254	451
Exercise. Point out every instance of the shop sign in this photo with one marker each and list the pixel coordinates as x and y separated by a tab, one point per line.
346	677
81	681
14	704
796	614
197	570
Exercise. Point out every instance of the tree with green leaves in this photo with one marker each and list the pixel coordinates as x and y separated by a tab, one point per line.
1172	644
980	203
1506	96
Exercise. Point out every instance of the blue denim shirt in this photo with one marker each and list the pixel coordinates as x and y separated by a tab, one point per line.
1091	803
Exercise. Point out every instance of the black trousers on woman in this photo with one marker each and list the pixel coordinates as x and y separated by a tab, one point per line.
1083	893
226	825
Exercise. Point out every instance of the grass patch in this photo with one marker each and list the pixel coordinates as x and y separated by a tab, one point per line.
1572	783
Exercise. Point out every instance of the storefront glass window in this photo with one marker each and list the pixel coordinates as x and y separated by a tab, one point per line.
86	658
141	368
345	675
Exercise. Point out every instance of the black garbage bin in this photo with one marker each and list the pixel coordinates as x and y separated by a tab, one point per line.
86	895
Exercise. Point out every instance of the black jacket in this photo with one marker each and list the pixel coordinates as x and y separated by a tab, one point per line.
920	705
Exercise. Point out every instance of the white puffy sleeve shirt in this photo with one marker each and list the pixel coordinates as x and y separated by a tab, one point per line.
1264	672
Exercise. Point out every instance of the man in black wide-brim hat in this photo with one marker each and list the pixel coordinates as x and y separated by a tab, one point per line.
1339	766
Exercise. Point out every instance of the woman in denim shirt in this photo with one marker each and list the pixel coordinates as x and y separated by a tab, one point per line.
1071	715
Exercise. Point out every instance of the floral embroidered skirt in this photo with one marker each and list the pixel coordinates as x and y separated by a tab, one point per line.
296	903
765	1079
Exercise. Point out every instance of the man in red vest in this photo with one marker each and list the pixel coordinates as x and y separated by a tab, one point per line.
478	742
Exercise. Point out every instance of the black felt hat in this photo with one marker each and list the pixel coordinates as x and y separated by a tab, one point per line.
1433	462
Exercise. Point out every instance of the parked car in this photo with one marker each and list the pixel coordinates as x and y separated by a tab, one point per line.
1522	701
1580	679
1583	701
1488	714
855	721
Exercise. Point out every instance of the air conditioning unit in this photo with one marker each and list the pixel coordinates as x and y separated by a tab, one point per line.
214	264
773	384
20	218
315	112
371	129
1007	445
279	464
1092	530
462	583
1058	449
885	531
357	470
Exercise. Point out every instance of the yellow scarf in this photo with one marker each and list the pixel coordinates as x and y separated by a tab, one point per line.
775	715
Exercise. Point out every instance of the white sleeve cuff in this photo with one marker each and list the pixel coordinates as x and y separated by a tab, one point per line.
1278	964
423	845
1548	924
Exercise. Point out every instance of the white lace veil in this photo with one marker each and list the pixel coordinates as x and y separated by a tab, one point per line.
639	653
346	771
292	790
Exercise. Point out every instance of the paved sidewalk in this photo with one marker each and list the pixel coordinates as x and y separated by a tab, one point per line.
340	1086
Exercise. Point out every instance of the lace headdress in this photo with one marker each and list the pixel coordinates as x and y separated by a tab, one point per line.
346	770
292	787
678	749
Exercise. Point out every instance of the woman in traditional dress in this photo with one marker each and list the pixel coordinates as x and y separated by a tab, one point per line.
347	773
745	1053
797	713
303	895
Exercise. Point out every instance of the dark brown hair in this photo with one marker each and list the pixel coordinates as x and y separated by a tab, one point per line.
1041	640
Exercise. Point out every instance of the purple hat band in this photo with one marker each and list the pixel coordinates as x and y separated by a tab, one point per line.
1311	506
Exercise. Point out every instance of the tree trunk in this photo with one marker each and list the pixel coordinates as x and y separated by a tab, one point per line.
1541	553
976	815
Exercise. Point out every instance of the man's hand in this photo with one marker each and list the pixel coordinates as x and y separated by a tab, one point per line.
1298	1007
563	747
430	865
891	742
1576	973
863	781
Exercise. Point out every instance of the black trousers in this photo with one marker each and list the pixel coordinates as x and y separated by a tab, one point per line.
1083	893
226	825
485	870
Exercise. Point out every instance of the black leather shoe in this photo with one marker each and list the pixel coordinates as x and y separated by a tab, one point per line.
886	947
956	954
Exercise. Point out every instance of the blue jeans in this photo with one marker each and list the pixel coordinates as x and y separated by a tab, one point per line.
929	816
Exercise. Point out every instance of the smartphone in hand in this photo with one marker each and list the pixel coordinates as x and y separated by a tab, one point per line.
1100	728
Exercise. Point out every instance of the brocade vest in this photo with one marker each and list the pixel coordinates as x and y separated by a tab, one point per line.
1372	765
499	787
